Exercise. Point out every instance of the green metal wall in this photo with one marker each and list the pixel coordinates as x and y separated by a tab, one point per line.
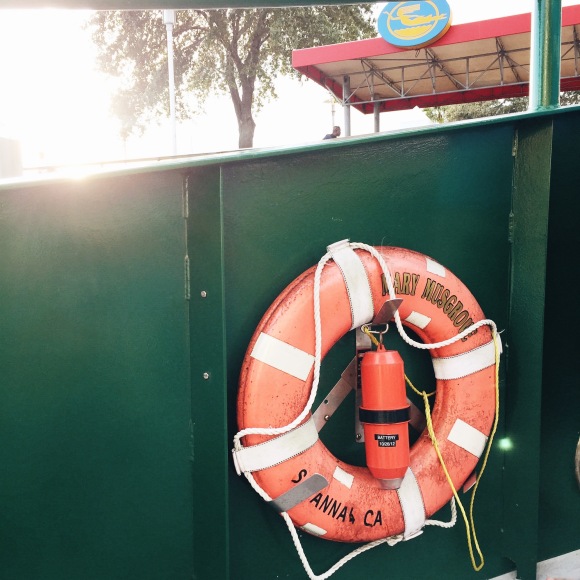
433	193
94	389
128	301
559	493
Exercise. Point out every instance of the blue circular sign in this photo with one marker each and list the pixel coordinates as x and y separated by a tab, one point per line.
414	24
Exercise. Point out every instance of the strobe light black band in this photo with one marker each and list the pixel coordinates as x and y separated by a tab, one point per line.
383	417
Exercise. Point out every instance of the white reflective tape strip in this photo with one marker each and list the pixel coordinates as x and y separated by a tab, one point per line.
435	268
462	365
417	319
314	529
282	356
411	500
356	282
343	477
277	450
467	437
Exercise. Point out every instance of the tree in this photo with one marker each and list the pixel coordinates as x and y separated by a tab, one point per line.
449	113
238	52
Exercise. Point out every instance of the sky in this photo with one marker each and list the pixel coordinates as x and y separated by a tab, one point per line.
55	102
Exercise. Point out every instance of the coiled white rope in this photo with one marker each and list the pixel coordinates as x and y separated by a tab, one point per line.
424	346
313	392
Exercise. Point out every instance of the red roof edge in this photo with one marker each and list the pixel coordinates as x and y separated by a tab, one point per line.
459	33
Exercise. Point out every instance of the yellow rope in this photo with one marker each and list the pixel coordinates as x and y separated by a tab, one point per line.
369	333
420	393
469	524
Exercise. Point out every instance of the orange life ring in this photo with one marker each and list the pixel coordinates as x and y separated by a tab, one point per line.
353	507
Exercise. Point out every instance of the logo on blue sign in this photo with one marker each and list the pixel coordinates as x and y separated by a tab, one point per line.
414	24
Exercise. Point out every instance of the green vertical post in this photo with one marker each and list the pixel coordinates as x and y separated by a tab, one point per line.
523	405
545	54
210	452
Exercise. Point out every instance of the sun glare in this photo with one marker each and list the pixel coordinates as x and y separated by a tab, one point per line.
56	104
52	100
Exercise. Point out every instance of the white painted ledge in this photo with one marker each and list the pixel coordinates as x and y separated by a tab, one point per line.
564	567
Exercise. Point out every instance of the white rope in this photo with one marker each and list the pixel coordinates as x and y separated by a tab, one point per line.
315	381
391	541
448	524
392	294
317	362
278	430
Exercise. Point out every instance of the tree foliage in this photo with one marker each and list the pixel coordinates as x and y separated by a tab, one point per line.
236	52
449	113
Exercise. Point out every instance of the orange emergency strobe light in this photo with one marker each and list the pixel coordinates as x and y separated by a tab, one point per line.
384	414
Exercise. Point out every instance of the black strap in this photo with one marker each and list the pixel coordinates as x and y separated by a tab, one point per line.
384	417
